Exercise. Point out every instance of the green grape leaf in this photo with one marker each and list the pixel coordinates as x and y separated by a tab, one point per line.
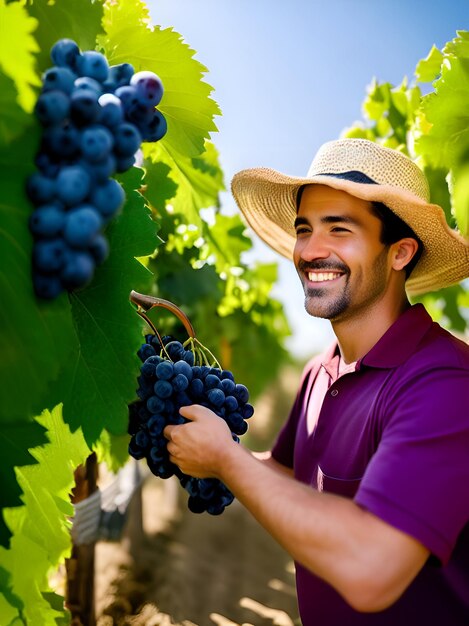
79	20
428	69
35	336
199	180
186	104
460	194
14	120
227	239
376	104
112	450
15	440
17	51
41	528
160	186
99	380
446	140
180	281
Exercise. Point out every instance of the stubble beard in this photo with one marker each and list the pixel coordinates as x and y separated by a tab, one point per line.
319	302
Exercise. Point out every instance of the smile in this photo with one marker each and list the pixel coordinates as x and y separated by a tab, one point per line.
320	277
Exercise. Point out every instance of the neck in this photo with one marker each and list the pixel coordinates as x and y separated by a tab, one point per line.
357	334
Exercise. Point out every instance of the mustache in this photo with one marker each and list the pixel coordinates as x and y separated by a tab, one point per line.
318	266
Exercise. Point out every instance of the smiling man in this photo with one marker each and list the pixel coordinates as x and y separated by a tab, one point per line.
367	483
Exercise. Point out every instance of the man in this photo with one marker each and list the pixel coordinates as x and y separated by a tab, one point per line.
367	485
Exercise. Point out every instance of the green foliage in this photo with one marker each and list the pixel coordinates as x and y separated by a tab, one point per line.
444	141
35	337
40	527
16	438
79	20
17	29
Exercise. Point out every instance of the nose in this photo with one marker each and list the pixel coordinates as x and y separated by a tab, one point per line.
312	248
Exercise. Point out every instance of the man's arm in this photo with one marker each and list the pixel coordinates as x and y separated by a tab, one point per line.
369	562
267	459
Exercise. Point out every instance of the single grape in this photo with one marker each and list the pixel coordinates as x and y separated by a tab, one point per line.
99	248
155	129
96	143
164	370
40	189
127	140
120	75
62	140
65	53
85	82
148	86
73	184
108	198
127	95
81	226
60	78
52	107
78	269
112	111
48	255
84	107
93	64
47	220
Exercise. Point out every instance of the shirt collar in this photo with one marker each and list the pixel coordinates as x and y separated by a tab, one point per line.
400	341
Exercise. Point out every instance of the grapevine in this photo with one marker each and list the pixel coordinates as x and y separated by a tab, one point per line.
173	375
94	118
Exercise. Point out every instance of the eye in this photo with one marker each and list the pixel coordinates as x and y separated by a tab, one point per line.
302	230
340	229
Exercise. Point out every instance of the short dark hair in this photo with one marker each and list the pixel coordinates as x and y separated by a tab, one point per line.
393	228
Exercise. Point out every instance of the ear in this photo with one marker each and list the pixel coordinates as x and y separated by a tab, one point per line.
403	251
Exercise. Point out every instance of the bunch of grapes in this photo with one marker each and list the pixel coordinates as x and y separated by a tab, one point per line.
94	118
171	377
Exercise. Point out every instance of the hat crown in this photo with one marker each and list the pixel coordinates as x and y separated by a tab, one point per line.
383	165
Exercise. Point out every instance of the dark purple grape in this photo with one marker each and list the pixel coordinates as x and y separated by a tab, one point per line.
93	64
47	220
127	140
96	143
45	286
81	226
48	255
52	107
40	188
65	53
148	86
86	83
108	198
60	78
78	269
99	249
73	184
84	107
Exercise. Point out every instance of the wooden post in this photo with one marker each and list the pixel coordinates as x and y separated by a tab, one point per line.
79	596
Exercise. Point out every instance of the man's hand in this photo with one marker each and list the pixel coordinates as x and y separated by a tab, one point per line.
199	447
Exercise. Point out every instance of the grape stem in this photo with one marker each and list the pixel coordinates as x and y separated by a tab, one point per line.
146	303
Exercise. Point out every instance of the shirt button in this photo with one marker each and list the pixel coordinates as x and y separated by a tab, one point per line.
334	392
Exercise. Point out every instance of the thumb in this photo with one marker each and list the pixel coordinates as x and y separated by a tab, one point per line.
195	412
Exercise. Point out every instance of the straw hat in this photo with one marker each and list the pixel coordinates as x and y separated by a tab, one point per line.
267	199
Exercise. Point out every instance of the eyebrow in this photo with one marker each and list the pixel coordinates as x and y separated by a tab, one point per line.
329	219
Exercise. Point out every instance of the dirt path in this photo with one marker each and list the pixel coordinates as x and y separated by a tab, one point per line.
174	567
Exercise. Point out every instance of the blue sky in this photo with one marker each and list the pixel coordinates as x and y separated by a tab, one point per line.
289	76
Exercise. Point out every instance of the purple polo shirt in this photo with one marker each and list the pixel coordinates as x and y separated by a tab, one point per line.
394	436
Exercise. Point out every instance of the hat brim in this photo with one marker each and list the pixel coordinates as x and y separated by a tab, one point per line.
267	199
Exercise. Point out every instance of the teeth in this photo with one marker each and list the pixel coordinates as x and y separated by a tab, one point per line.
319	277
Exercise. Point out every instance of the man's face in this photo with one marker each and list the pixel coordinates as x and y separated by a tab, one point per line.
338	254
